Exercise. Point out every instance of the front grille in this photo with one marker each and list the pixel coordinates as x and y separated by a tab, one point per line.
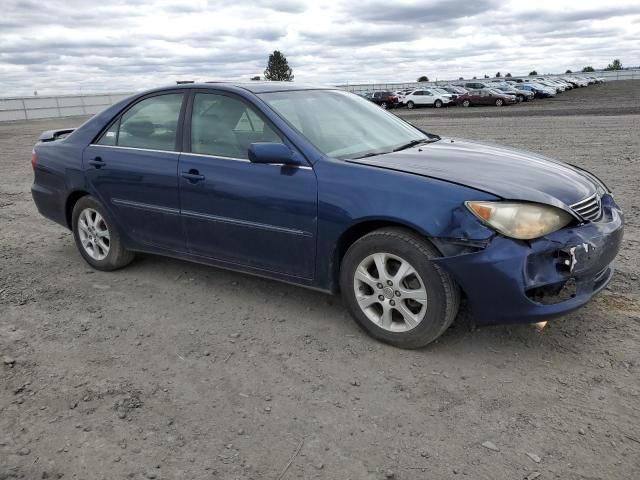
589	209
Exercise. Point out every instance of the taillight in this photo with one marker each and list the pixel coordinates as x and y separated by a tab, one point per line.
34	159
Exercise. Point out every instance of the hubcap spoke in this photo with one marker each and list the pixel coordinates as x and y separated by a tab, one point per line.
386	318
404	271
419	295
364	276
380	260
367	301
407	315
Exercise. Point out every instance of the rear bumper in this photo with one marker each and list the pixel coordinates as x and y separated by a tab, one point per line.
512	281
50	204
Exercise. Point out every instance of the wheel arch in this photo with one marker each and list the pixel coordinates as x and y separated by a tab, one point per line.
359	229
71	201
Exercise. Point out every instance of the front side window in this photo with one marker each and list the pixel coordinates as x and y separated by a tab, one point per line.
150	124
340	124
225	126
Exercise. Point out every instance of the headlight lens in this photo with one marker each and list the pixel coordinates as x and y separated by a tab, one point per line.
523	221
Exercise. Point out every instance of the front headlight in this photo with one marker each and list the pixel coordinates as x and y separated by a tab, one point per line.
523	221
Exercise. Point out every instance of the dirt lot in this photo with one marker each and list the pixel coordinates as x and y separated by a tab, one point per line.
171	370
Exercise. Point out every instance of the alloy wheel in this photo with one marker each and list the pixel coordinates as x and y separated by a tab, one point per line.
390	292
94	234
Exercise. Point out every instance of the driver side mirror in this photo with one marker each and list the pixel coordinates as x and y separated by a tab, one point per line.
272	153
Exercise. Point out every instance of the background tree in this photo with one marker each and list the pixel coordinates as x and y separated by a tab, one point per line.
461	78
486	76
498	75
475	78
568	71
508	75
588	68
533	72
256	78
423	78
615	65
278	68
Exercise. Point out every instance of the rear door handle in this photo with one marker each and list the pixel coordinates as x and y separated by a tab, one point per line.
97	162
193	176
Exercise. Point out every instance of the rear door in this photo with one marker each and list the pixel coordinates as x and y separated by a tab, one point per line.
132	169
429	97
247	214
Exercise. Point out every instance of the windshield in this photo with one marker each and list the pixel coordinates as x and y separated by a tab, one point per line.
440	90
342	125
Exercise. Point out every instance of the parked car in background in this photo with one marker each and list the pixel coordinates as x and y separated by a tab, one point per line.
385	99
521	95
427	97
540	91
445	92
485	96
476	85
553	85
454	89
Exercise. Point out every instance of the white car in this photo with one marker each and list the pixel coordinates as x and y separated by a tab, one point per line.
426	96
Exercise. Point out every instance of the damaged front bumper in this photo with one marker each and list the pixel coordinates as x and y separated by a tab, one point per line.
513	281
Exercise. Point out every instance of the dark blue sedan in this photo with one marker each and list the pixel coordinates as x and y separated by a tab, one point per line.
321	188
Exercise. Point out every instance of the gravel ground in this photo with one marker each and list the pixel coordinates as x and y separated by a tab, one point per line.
172	370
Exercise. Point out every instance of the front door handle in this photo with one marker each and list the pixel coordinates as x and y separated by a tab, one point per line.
193	176
97	162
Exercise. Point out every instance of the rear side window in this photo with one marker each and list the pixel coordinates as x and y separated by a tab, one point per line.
225	126
150	124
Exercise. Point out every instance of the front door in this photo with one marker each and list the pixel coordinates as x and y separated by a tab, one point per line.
132	169
258	216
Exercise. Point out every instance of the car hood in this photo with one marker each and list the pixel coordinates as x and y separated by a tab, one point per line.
502	171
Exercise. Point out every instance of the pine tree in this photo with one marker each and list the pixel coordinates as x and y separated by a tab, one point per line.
615	65
278	68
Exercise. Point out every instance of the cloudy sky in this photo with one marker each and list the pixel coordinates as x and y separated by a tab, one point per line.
68	46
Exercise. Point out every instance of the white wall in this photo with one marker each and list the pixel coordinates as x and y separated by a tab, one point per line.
28	108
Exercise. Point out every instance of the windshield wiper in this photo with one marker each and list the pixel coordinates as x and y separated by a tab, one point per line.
413	143
370	154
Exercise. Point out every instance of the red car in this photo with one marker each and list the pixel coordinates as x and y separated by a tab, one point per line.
485	96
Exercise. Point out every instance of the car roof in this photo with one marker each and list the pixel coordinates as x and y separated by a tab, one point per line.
254	87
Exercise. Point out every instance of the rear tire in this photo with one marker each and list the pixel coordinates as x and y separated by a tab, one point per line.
408	307
384	105
97	236
520	98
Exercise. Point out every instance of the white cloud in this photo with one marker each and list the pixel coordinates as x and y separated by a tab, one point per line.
67	46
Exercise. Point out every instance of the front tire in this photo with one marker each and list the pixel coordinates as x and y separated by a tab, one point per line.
394	291
520	98
97	236
466	103
499	102
410	105
438	104
384	105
